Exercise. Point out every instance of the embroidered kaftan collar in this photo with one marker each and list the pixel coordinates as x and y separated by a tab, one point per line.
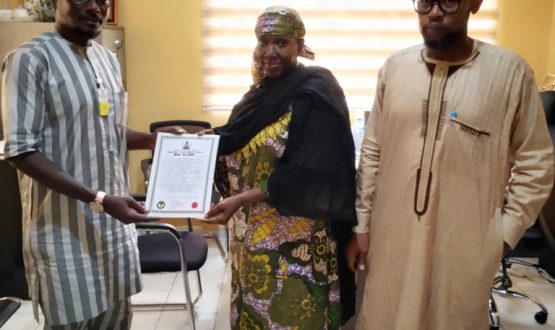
475	52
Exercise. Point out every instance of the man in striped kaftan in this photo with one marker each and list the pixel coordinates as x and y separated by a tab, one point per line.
64	117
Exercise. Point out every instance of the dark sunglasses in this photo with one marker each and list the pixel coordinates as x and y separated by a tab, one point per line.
100	3
446	6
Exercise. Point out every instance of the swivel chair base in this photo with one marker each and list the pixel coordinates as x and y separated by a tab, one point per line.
504	282
540	317
493	314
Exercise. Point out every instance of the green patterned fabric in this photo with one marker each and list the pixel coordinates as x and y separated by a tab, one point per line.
284	268
281	21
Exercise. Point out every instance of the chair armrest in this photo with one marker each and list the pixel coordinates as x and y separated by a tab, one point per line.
145	168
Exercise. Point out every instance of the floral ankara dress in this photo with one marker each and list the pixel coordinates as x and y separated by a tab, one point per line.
290	138
284	268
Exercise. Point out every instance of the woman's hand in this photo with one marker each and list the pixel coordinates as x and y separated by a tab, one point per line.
224	210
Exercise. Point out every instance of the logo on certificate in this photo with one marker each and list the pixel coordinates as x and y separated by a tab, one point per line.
194	205
161	205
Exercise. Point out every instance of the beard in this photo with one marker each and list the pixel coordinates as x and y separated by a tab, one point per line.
447	41
89	34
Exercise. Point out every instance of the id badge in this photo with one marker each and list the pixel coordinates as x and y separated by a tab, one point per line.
103	105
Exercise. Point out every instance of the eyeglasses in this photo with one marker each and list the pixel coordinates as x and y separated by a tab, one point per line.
446	6
100	3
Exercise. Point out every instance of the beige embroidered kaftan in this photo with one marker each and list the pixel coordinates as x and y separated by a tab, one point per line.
444	147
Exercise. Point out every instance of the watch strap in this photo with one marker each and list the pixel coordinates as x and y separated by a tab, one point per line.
99	198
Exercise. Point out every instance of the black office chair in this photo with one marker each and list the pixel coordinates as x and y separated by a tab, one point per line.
162	248
191	126
538	241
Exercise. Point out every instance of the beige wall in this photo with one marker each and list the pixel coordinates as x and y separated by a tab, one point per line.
12	4
528	28
164	68
551	62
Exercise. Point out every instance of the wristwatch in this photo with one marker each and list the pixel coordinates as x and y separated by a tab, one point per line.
96	204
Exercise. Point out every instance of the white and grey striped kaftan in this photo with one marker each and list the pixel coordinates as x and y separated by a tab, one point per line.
78	262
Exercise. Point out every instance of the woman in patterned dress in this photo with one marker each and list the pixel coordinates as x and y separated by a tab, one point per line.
286	168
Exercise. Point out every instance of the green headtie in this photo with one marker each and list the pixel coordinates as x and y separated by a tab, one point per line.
281	21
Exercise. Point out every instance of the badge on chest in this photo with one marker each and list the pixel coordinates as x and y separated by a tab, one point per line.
103	104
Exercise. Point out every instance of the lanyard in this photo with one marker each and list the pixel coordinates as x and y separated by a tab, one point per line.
103	105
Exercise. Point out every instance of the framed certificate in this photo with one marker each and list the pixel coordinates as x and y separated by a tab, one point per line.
182	174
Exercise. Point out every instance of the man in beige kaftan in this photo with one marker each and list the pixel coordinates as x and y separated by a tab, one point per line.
456	163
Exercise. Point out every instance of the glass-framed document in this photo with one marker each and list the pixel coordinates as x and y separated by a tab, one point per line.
182	174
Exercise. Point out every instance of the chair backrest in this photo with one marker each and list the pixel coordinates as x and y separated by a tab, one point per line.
192	126
548	100
548	211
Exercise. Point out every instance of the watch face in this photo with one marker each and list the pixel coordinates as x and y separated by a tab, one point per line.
96	207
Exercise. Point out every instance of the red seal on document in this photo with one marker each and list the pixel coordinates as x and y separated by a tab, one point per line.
194	205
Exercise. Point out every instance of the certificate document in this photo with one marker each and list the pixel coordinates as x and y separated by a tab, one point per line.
182	174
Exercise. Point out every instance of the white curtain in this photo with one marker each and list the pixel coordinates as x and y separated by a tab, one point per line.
352	38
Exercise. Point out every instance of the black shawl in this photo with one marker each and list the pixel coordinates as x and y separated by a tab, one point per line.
315	177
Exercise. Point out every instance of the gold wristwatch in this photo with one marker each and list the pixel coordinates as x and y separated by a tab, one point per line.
96	204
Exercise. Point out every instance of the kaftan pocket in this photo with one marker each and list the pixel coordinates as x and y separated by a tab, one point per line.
473	140
470	129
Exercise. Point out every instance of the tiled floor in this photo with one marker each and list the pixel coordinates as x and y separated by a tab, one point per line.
212	310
